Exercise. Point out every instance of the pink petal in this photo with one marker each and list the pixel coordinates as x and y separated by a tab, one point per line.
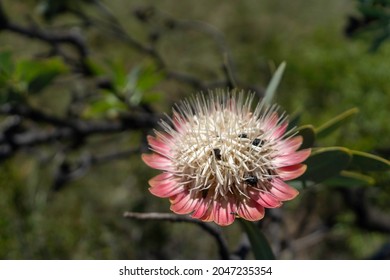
292	159
183	203
279	131
224	212
282	191
291	172
270	122
290	145
158	145
158	162
204	209
160	177
208	216
250	210
201	208
163	186
267	200
178	122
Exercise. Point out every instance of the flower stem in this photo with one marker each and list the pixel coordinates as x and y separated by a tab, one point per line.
260	245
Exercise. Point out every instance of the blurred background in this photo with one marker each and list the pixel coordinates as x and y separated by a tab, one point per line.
83	82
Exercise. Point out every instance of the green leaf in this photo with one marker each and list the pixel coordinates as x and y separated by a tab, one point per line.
119	76
41	81
335	123
107	105
149	78
260	246
350	179
39	74
6	63
94	68
324	163
132	86
273	84
368	162
308	134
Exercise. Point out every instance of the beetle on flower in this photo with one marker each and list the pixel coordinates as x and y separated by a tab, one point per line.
221	160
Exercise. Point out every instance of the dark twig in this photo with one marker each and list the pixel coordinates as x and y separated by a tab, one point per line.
52	38
33	114
63	129
222	245
67	171
144	14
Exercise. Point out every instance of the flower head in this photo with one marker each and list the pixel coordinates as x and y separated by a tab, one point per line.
222	160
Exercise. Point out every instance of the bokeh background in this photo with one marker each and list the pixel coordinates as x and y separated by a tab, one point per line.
122	64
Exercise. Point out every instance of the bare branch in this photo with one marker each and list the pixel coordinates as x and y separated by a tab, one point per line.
52	38
63	129
67	171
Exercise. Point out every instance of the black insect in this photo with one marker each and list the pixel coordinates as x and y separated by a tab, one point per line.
251	180
243	135
217	153
258	142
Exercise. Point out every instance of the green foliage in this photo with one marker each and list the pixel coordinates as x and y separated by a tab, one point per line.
23	77
331	164
129	88
37	75
6	65
373	22
273	84
350	179
335	123
367	162
325	163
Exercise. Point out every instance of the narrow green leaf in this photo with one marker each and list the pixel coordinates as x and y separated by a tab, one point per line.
149	78
324	163
335	123
94	68
120	75
42	80
39	74
368	162
273	84
308	134
107	105
260	246
350	179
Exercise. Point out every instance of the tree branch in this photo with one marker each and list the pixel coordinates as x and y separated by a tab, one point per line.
51	38
64	130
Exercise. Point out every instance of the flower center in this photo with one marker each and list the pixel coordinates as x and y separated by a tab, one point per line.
223	152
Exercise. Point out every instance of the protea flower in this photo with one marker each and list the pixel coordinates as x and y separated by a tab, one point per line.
221	159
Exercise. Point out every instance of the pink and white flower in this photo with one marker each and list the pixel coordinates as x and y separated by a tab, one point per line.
221	160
